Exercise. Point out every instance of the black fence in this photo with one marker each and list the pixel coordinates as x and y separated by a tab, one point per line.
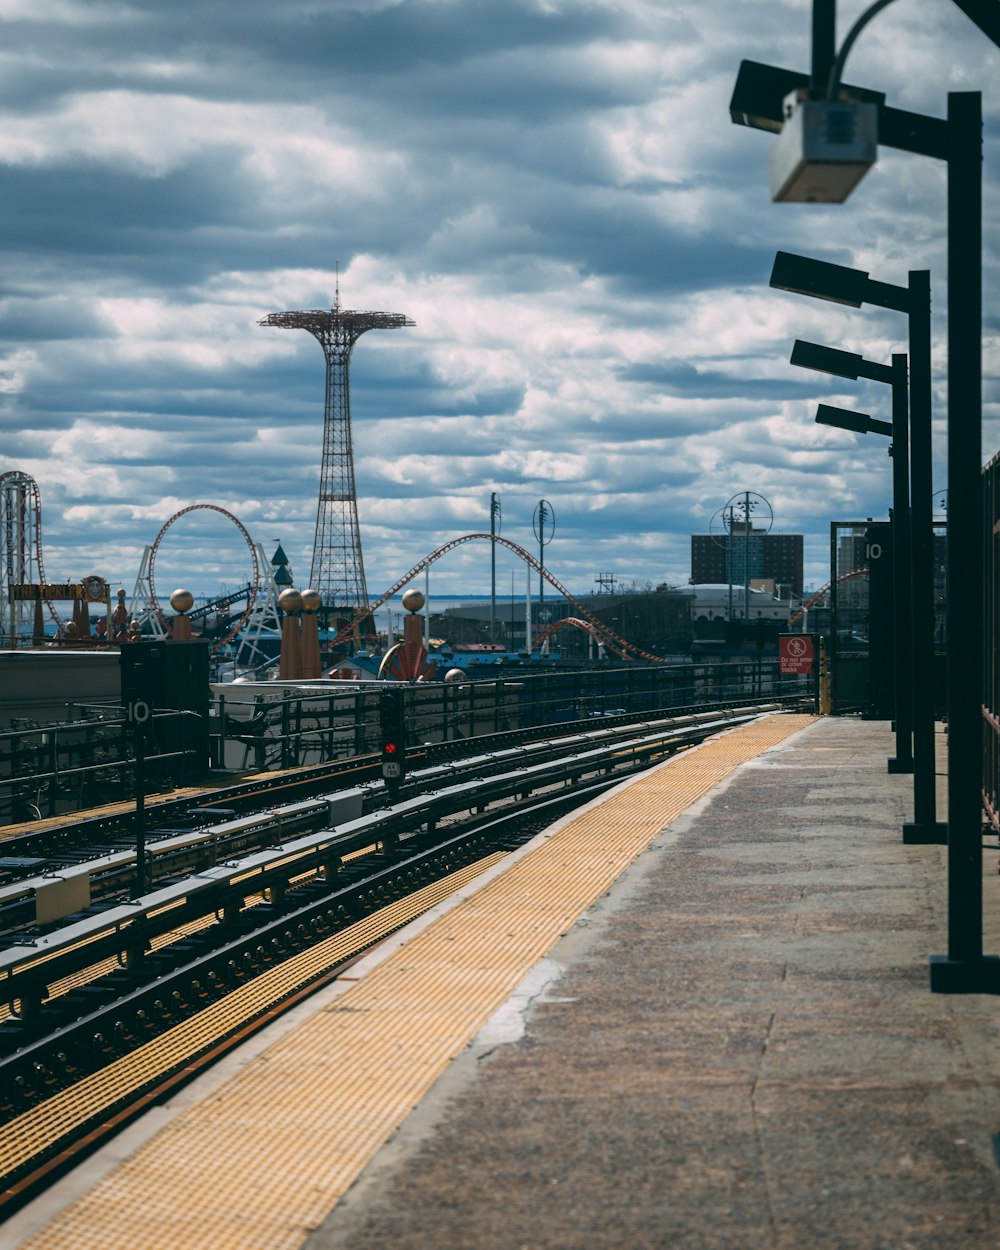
90	759
284	728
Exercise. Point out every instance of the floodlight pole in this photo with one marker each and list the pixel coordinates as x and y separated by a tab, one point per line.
896	375
902	564
853	287
757	101
495	513
925	826
965	969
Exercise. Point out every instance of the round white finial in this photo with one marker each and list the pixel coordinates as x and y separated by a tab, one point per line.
311	599
182	600
290	600
455	674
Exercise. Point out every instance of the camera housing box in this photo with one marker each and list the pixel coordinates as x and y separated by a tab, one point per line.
824	150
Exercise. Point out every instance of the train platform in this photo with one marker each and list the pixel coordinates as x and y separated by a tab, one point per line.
694	1014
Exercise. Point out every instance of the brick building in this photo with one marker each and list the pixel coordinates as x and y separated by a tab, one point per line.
723	558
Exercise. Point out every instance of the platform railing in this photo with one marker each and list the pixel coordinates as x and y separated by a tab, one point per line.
290	729
85	761
89	759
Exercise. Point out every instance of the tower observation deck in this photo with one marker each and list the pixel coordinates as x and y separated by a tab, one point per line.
338	570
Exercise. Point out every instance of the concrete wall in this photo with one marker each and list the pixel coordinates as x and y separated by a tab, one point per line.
37	684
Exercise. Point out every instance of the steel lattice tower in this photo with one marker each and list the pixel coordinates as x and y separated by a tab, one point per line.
338	570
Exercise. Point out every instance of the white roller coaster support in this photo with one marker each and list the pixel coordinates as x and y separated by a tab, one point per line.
20	553
264	617
142	605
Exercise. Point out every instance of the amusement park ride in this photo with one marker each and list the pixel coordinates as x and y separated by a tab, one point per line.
337	574
249	621
259	612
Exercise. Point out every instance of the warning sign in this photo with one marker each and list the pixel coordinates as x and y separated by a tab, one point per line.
797	653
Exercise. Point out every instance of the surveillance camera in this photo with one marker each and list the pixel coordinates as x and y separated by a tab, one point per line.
824	150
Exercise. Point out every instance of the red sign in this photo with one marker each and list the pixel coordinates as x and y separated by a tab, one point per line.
797	653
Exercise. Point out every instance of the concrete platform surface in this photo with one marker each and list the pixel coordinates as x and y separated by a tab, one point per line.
735	1048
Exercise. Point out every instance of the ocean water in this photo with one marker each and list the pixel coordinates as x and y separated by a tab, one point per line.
395	605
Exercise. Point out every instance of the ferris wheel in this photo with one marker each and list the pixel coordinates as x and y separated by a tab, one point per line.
145	607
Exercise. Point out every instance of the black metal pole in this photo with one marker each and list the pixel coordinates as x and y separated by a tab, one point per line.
925	826
140	711
494	503
824	43
902	762
746	561
965	969
140	813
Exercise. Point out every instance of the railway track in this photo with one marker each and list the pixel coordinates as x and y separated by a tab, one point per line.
108	1011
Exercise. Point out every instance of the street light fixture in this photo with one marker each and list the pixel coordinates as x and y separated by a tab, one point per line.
851	365
856	422
854	287
758	100
836	361
838	284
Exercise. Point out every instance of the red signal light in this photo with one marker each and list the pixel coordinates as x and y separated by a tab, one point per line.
389	748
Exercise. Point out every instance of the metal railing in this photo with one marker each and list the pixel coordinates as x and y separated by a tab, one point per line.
86	761
89	759
288	729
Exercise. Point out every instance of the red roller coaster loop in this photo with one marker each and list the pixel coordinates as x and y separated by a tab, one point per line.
601	635
626	651
822	592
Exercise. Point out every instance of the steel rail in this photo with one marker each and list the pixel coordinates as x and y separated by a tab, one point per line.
59	1093
311	779
140	1065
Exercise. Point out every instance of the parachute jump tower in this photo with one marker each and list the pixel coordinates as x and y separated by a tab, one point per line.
338	570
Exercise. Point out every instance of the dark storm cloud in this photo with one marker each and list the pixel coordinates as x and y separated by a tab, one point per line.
554	193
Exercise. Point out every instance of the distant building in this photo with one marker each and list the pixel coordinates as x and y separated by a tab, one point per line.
722	559
720	602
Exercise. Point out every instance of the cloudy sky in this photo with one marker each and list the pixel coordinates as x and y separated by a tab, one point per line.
551	189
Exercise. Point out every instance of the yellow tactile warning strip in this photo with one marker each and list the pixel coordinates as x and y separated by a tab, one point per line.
44	1126
263	1159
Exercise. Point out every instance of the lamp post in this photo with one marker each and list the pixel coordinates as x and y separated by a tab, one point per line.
896	375
495	516
544	525
853	366
854	288
758	101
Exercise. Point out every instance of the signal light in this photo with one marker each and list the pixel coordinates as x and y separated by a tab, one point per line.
392	730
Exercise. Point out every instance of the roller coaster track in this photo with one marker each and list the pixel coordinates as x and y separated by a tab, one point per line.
621	646
823	591
598	635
